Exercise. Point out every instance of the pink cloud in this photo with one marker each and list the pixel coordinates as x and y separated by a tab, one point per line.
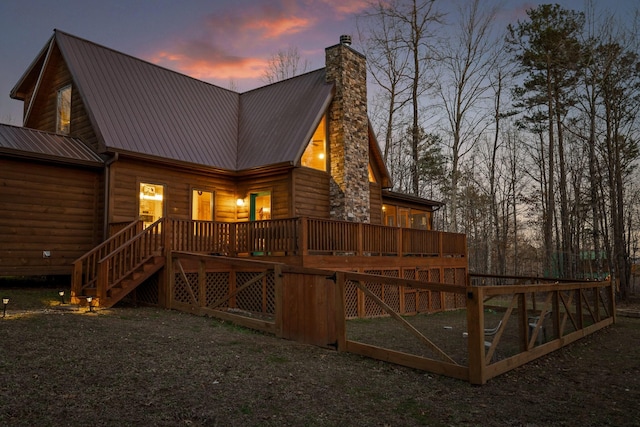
344	7
235	42
260	23
204	61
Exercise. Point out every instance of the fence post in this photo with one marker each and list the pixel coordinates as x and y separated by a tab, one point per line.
475	337
341	327
612	300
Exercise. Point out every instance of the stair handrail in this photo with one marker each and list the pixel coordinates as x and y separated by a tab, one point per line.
127	257
85	268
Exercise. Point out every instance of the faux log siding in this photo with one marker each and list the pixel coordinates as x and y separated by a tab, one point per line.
126	174
311	193
47	207
277	184
375	201
43	113
43	110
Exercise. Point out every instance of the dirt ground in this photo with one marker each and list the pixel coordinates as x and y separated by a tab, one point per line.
154	367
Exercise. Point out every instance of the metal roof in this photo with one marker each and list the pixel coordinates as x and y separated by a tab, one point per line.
31	143
278	121
139	107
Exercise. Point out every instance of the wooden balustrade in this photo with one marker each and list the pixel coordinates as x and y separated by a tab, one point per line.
85	268
122	252
132	254
201	236
312	236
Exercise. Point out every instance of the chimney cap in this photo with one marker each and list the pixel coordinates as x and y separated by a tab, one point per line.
345	39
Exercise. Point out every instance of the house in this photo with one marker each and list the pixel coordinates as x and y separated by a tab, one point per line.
109	139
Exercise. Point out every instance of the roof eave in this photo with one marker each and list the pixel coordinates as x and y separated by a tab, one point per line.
48	158
16	92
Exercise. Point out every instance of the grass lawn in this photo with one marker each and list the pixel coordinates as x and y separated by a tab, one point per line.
155	367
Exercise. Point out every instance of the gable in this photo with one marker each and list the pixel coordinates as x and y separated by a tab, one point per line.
138	107
277	121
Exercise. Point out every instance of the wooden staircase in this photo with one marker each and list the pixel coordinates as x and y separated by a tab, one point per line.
117	266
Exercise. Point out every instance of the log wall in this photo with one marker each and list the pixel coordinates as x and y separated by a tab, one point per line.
127	174
55	210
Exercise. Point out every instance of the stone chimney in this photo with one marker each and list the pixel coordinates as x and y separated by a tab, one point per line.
348	133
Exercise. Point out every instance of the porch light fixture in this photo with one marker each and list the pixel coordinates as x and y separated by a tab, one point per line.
240	202
61	293
89	299
5	302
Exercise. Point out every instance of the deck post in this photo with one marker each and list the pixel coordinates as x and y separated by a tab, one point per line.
202	283
76	281
101	284
167	231
233	240
303	245
279	303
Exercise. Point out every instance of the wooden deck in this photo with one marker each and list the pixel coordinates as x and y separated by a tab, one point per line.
119	264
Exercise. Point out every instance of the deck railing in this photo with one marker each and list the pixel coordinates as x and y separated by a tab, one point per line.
126	258
85	268
291	237
312	236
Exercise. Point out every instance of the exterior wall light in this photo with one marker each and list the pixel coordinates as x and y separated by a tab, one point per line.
5	302
240	202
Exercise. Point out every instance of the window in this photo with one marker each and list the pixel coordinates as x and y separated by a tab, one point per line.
315	156
372	176
63	111
419	219
202	205
260	206
151	203
389	214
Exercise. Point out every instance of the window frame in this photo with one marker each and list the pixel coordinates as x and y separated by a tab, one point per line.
63	108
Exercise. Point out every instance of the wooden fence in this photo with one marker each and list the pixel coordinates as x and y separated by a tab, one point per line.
498	329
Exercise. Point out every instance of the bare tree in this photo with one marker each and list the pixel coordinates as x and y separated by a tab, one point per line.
380	36
283	64
466	59
412	25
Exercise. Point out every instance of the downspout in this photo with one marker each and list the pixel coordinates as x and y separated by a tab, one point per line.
107	185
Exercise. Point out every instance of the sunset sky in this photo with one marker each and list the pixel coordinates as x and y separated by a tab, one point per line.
218	41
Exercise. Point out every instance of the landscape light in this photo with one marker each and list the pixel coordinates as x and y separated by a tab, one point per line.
89	299
5	302
61	293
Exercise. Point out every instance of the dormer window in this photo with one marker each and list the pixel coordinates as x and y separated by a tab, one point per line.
63	111
315	156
